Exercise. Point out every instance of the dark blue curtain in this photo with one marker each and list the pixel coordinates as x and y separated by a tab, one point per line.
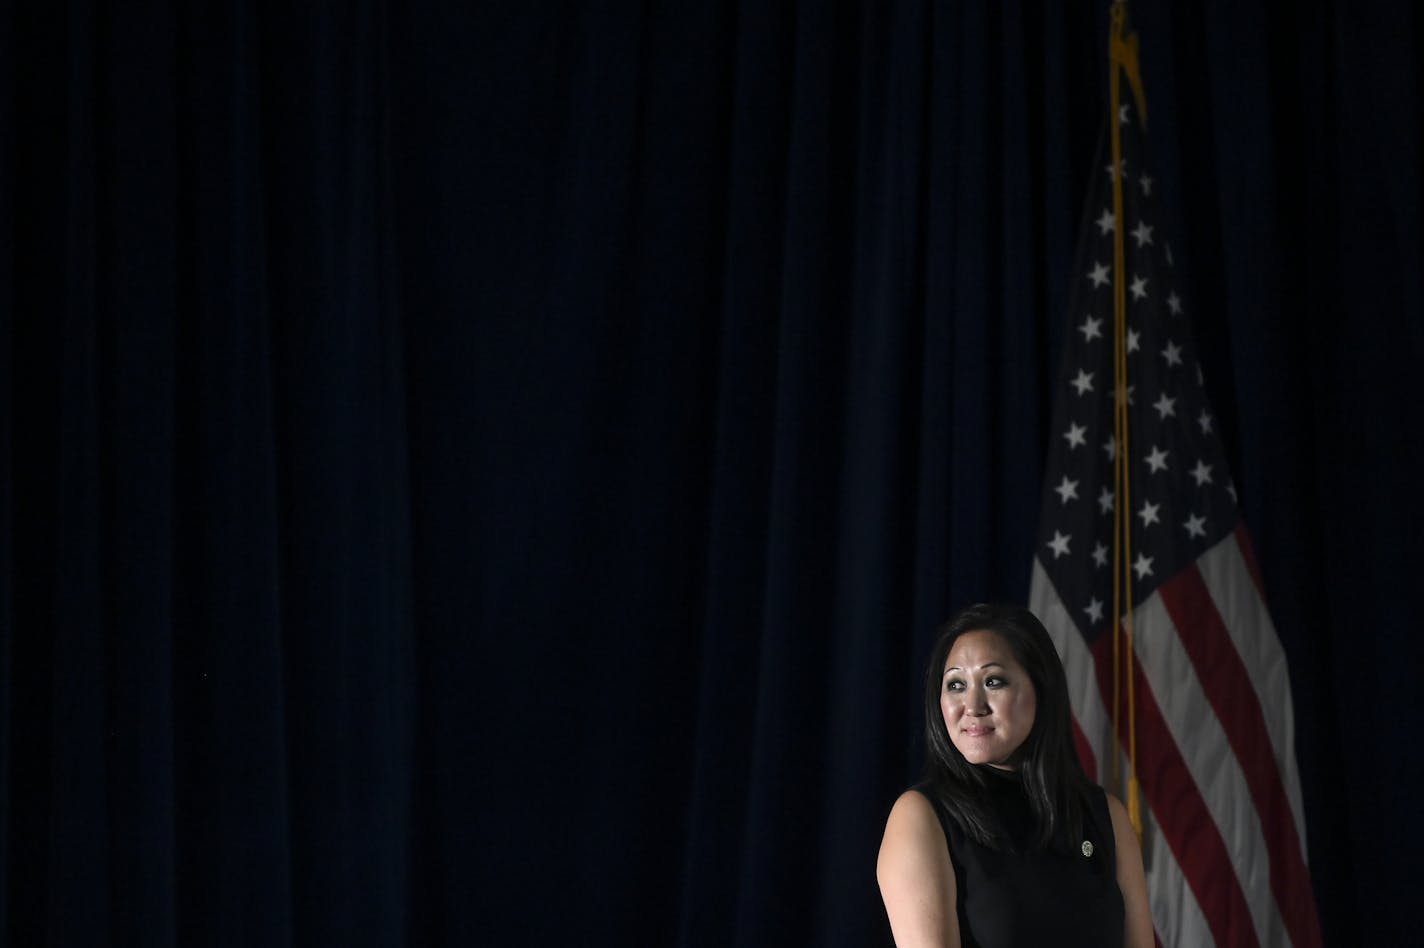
489	474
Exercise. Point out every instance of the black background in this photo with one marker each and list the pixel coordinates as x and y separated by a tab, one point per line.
489	474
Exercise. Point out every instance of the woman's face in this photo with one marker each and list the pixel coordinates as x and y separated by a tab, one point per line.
987	699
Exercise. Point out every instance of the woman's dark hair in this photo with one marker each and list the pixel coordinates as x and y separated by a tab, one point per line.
1046	763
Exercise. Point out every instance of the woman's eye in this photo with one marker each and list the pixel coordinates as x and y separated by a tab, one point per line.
994	682
954	686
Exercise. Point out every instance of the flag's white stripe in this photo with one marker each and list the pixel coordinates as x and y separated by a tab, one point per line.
1083	693
1207	753
1223	569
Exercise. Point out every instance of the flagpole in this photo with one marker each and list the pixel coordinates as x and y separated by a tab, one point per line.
1122	58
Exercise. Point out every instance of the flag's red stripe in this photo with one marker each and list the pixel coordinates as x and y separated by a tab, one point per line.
1243	542
1228	686
1085	751
1181	813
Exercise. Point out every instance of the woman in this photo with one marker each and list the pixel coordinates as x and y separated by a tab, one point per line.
1006	842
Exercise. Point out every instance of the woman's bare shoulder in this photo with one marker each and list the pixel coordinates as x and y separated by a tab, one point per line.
1117	810
912	826
913	804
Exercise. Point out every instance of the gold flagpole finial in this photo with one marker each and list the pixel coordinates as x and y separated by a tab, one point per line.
1122	53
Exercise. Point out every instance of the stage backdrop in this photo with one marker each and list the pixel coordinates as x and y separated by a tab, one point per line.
489	474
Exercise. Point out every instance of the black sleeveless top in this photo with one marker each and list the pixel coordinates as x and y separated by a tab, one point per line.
1031	896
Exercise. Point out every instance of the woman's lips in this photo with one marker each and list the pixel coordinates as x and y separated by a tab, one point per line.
977	730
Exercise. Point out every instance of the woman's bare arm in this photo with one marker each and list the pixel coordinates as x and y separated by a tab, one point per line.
916	877
1137	916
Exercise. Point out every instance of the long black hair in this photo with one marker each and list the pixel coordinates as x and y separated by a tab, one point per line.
1046	763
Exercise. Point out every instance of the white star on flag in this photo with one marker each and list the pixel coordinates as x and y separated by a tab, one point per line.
1143	566
1059	545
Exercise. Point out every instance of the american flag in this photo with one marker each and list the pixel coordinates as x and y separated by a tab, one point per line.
1223	827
